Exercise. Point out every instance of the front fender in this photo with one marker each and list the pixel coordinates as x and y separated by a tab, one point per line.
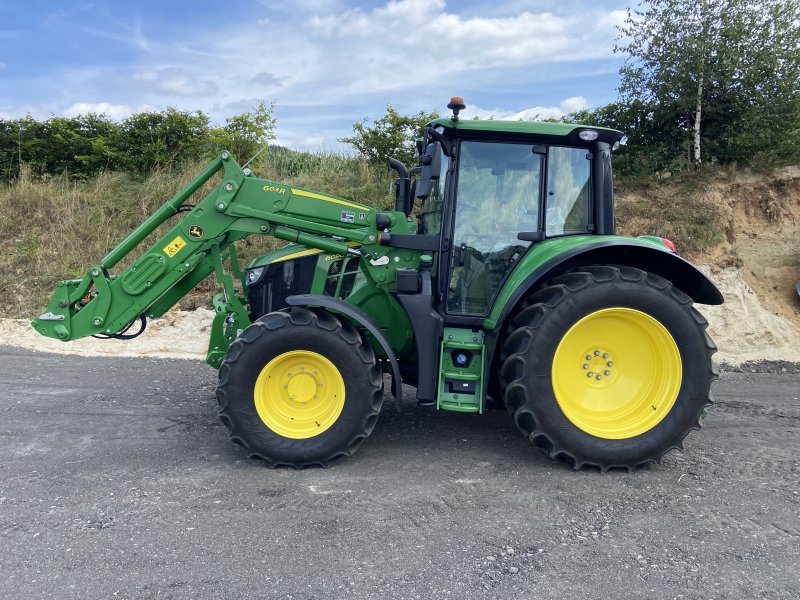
360	318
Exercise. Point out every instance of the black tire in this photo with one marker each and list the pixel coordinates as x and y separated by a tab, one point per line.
537	330
300	329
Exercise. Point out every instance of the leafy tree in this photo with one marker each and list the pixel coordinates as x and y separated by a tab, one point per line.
655	144
245	133
150	139
722	72
392	136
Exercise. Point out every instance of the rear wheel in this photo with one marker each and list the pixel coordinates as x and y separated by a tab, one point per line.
300	388
607	366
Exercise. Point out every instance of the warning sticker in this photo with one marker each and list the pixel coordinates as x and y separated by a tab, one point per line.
348	217
174	246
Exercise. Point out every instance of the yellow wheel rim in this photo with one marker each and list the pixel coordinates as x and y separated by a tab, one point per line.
299	394
617	373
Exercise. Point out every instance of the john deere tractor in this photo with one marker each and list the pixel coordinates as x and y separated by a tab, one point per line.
498	275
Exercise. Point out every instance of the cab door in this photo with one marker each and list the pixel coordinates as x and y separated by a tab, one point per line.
498	195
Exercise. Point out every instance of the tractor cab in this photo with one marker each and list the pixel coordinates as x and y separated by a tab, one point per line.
489	190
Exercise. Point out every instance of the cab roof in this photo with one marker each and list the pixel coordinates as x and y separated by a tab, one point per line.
566	132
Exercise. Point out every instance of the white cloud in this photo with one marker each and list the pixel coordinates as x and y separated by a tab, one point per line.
176	81
566	106
114	111
432	35
401	45
574	104
343	64
3	65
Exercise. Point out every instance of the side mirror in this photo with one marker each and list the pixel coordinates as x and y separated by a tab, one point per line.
430	167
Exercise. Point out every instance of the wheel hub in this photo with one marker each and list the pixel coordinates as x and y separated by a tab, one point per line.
299	394
302	387
616	373
597	366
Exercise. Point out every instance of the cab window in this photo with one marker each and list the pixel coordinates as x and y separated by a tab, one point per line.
568	191
498	196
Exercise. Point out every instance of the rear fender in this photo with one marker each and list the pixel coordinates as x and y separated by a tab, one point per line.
629	252
644	255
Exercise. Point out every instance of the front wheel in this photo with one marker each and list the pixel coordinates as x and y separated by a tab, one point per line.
300	388
608	367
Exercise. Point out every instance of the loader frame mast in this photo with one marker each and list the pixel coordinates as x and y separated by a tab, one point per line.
200	244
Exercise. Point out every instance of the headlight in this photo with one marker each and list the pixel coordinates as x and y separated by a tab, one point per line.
254	275
588	135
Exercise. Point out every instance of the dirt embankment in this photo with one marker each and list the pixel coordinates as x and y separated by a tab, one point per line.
756	266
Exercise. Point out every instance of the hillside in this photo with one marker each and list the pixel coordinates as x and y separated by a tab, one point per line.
741	228
755	263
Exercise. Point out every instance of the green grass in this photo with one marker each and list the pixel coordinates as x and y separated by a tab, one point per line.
675	208
55	228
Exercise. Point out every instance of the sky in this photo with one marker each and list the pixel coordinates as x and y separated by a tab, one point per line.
326	63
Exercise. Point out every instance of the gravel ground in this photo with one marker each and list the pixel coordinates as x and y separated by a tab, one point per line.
117	480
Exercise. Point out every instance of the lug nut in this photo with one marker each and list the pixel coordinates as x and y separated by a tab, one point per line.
605	355
610	364
585	366
588	357
599	377
597	352
590	374
607	373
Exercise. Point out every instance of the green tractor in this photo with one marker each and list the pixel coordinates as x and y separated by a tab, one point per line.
497	277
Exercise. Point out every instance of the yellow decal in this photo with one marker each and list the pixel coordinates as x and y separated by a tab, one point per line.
297	192
297	255
174	246
272	188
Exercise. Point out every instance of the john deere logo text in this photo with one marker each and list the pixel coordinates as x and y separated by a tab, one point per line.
195	231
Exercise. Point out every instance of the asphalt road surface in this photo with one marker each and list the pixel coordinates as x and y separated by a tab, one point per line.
118	481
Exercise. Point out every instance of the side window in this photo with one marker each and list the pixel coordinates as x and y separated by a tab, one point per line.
568	191
430	211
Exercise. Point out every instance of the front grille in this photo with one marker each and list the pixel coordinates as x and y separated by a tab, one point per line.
349	278
278	282
333	278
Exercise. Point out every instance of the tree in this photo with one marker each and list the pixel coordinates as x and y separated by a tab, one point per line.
151	139
716	70
245	133
392	136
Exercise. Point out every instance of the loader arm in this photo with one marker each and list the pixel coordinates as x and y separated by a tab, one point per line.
201	243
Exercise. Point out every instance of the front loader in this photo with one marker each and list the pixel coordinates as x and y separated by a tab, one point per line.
498	275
